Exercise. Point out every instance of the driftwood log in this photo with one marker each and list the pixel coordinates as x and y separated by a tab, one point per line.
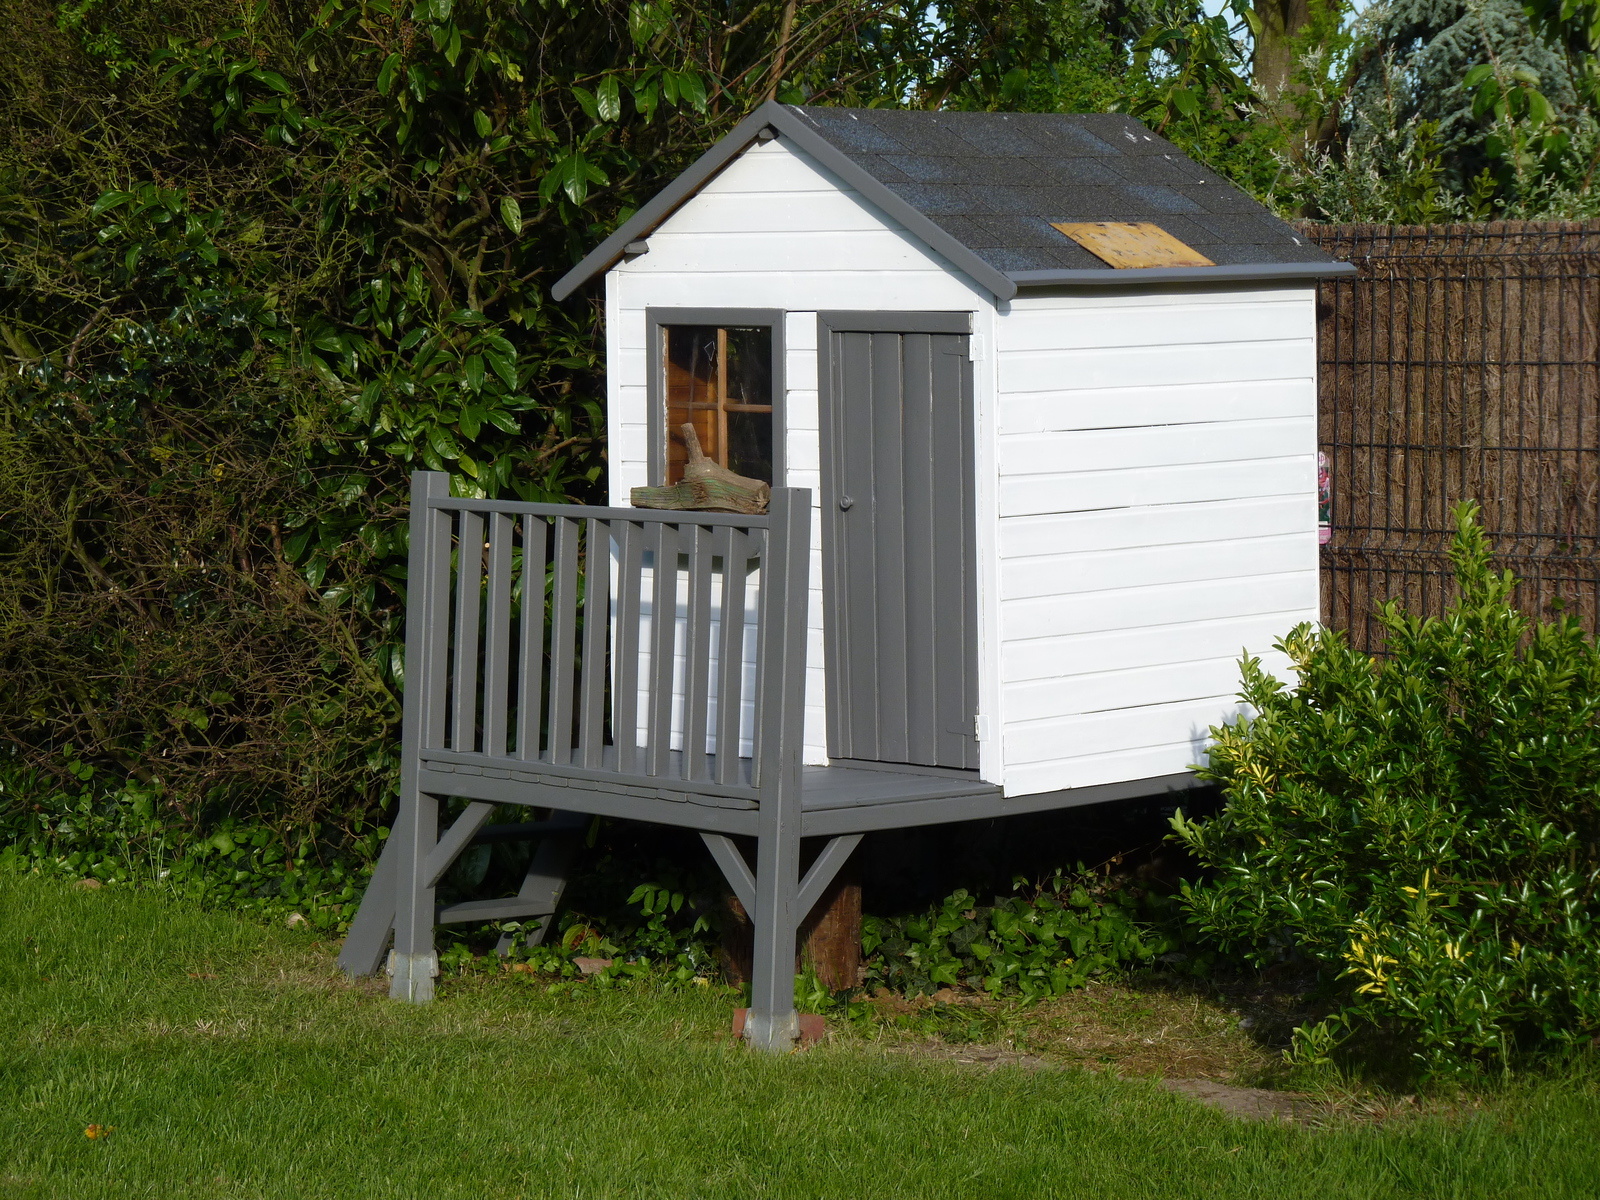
706	486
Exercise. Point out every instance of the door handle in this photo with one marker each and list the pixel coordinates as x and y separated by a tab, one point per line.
844	503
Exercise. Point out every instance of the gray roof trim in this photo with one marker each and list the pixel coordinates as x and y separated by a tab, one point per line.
665	202
789	123
1237	272
935	238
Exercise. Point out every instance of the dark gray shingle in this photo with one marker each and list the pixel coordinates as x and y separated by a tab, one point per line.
995	181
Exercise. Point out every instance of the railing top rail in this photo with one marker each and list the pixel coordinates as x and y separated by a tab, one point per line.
655	515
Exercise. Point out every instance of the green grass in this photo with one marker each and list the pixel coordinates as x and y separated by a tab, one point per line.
233	1064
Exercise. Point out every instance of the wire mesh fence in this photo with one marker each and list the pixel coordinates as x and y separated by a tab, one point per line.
1461	363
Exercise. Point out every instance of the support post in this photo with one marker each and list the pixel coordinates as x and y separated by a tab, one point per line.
785	597
415	962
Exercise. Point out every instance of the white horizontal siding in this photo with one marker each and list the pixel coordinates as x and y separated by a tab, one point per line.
1087	770
1187	483
1166	404
1147	566
1183	722
1147	528
1061	655
1129	687
1060	452
1157	491
773	230
1153	365
1184	323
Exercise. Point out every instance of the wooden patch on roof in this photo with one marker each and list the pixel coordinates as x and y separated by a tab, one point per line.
1132	244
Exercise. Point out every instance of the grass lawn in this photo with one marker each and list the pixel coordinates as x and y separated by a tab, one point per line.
232	1062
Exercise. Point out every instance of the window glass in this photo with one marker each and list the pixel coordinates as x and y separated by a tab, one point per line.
719	379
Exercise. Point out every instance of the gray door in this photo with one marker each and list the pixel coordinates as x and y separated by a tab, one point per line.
899	557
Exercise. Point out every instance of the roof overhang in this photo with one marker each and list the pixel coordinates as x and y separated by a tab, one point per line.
1234	273
787	123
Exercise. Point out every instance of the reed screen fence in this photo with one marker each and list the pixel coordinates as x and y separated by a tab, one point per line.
1462	362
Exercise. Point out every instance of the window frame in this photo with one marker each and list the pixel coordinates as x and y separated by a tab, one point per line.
656	322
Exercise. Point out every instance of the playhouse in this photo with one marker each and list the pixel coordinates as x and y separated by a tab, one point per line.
1036	396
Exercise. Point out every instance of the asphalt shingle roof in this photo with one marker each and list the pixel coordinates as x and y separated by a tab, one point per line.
996	181
983	189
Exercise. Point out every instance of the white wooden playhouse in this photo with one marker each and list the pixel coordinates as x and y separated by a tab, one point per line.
1122	495
1036	396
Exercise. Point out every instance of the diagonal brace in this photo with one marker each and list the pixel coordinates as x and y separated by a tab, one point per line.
734	868
743	882
456	839
834	855
362	953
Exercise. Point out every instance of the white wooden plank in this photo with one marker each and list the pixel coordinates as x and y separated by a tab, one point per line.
1156	446
1229	637
775	211
1158	525
631	443
1146	762
1082	491
625	330
1149	366
1168	404
629	361
829	250
772	167
930	289
1148	566
1218	320
800	335
1124	729
1074	303
801	409
1165	683
1136	608
804	454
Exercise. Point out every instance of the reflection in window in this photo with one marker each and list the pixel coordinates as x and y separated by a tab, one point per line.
720	381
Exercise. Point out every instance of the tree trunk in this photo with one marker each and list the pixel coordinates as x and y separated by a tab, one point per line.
1272	63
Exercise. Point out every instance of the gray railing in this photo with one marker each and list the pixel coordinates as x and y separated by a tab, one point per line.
618	644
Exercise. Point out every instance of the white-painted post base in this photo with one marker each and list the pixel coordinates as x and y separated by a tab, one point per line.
412	977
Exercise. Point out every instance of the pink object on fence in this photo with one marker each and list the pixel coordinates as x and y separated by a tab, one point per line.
1324	500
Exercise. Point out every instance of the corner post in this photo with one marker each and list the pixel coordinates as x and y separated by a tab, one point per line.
417	826
785	599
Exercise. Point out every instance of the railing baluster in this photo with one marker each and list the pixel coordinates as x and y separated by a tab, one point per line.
625	652
563	639
697	655
596	615
427	674
663	640
469	580
730	653
497	636
530	673
563	681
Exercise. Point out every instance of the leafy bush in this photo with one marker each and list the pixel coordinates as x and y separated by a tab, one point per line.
1423	828
1057	938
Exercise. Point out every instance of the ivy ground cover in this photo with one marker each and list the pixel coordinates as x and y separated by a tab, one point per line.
212	1057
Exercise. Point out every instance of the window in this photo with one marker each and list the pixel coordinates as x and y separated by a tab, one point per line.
718	378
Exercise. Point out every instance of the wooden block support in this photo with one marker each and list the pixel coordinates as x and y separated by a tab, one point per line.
830	938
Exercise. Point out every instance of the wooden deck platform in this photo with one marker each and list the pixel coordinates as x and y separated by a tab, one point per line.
588	705
834	800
